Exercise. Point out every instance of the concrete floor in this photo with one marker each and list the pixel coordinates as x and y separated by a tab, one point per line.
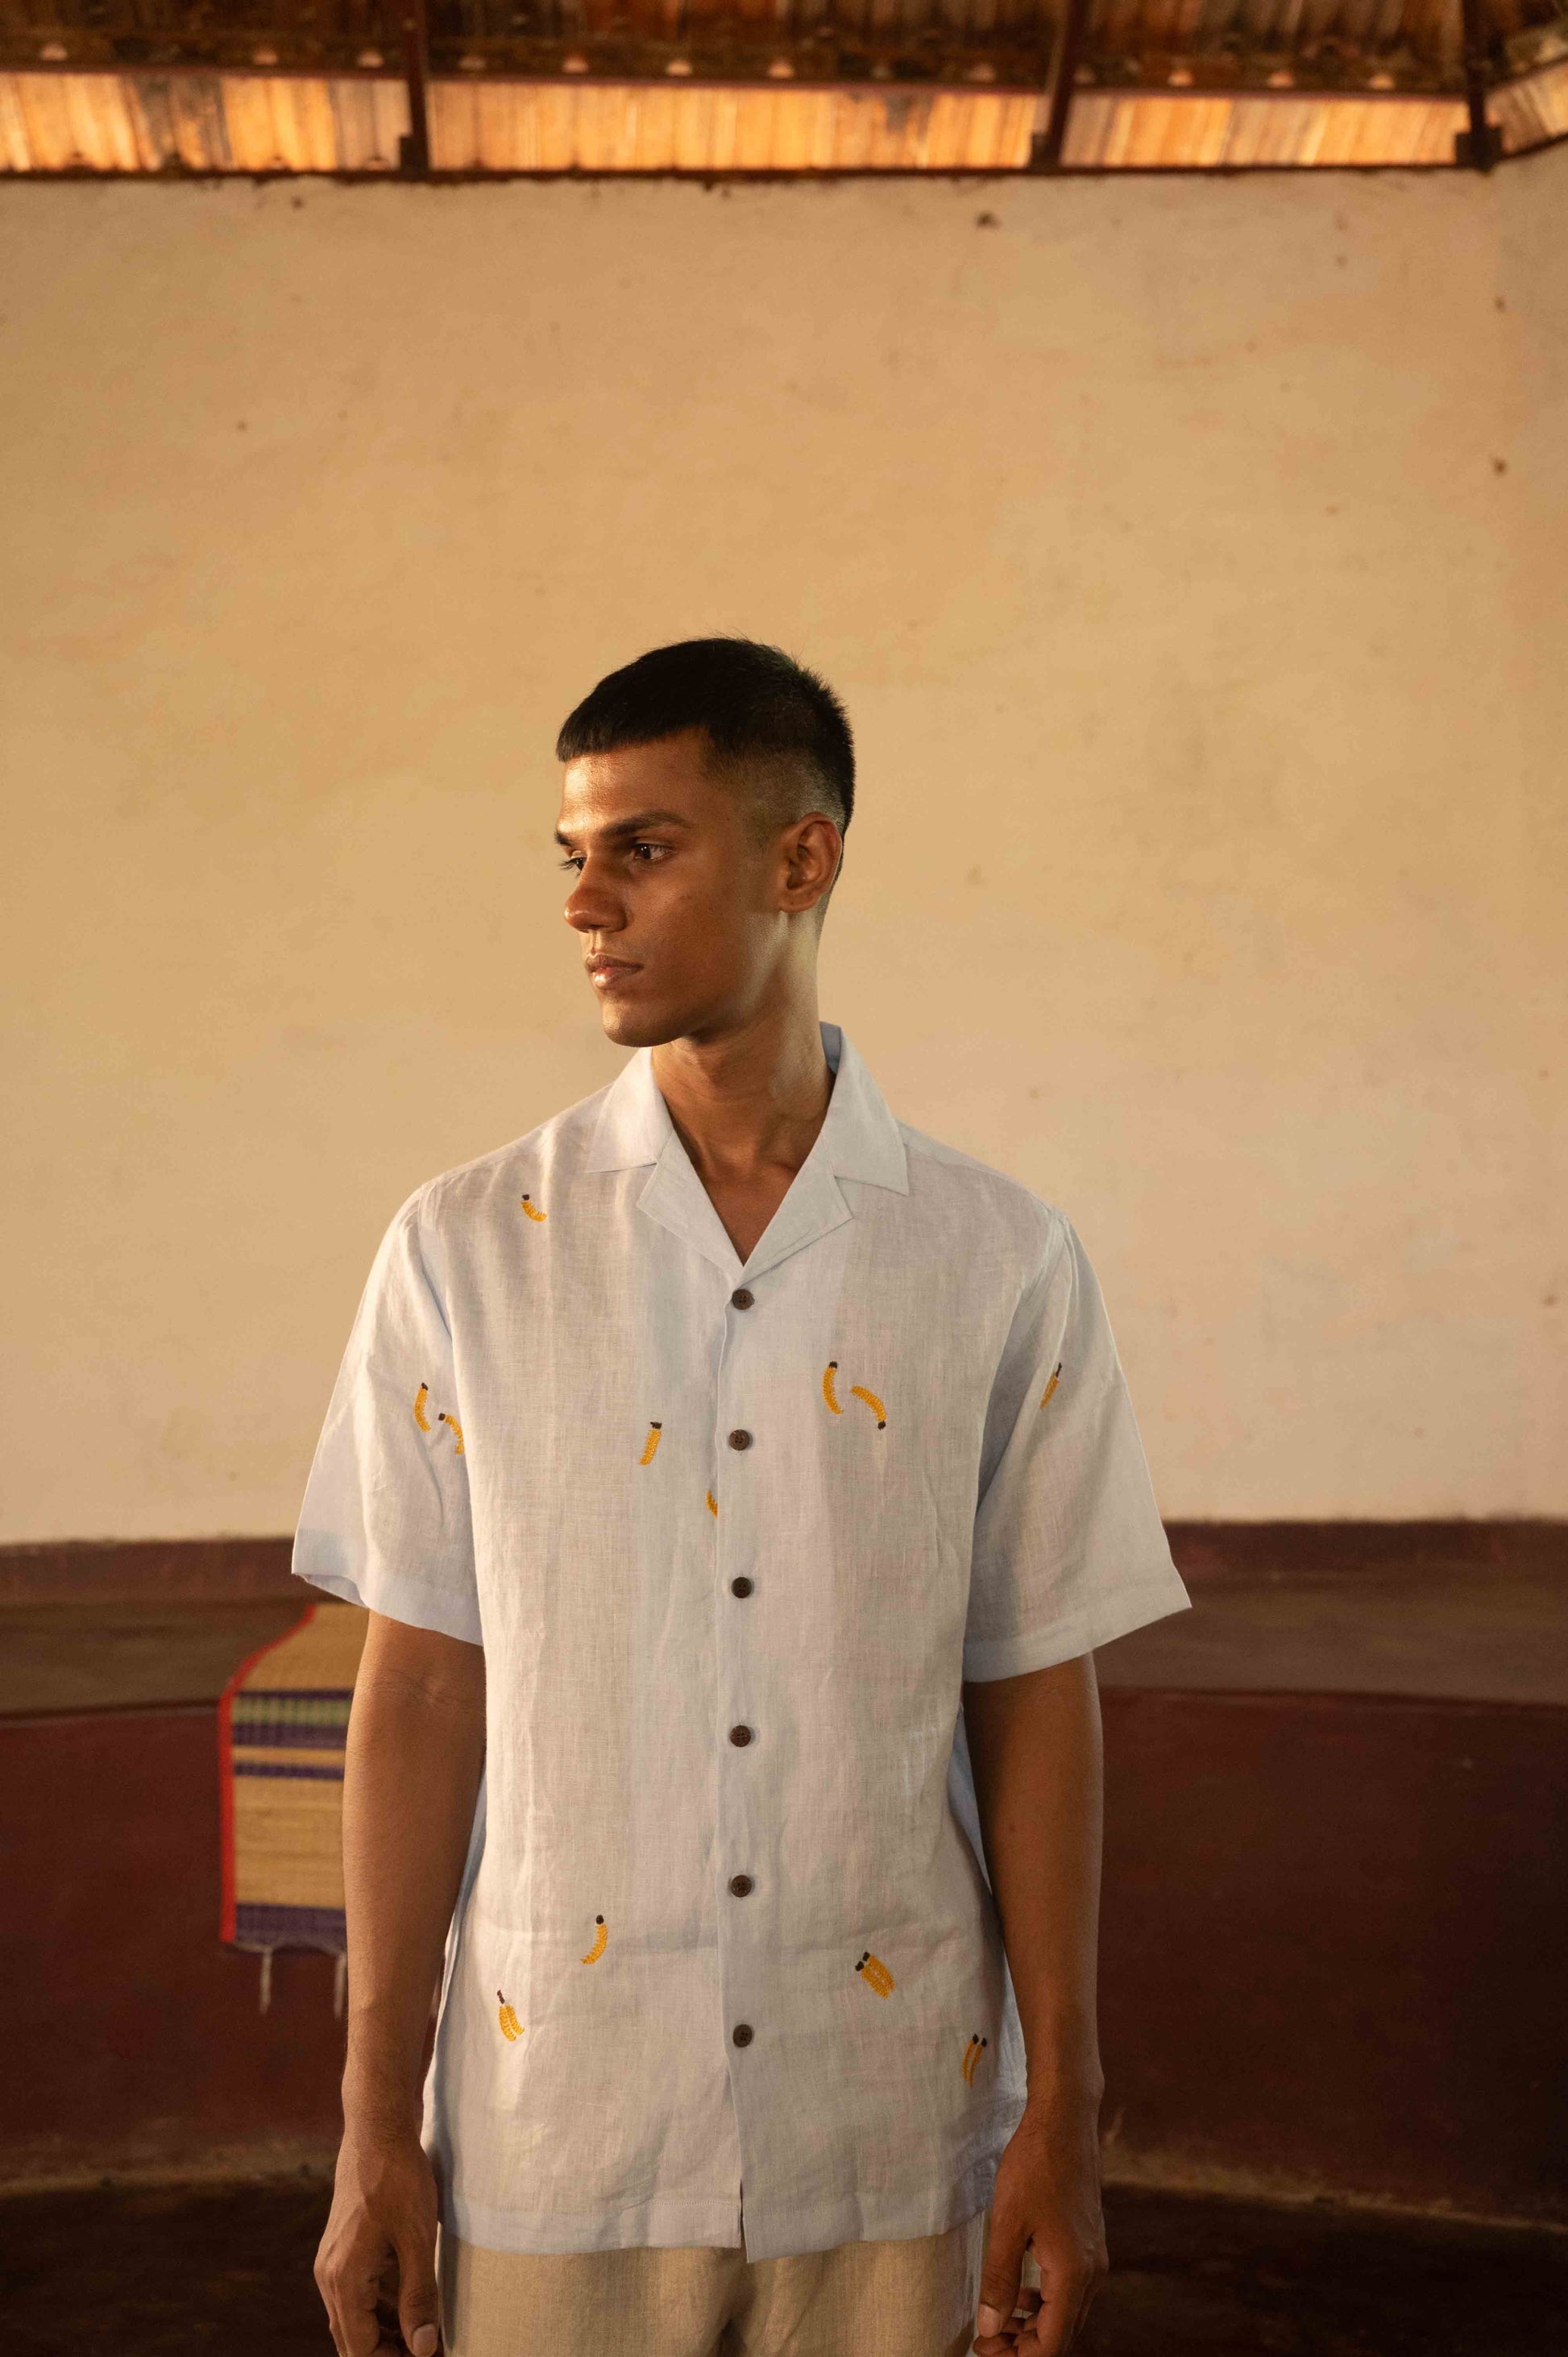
183	2271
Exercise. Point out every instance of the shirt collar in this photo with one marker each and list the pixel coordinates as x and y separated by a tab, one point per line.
859	1139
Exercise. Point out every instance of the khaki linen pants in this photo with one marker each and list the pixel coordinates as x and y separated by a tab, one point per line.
913	2298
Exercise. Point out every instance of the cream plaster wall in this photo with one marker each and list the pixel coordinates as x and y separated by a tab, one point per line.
1190	554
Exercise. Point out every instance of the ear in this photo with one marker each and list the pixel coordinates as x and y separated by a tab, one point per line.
810	852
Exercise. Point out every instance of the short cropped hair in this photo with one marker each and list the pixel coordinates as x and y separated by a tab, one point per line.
767	716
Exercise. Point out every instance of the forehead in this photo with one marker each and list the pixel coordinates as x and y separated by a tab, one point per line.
600	791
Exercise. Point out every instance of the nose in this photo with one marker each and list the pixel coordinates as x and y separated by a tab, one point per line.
589	908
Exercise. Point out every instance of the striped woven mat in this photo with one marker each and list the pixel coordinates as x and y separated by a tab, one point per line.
283	1722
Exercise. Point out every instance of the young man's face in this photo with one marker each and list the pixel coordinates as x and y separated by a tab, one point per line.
683	913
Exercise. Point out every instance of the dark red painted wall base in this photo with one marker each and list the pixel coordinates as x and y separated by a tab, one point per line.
1332	1949
1333	1942
134	2034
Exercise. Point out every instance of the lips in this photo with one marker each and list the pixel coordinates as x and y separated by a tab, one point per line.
607	971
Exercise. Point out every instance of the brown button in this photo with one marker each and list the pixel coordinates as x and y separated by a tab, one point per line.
741	1299
740	1884
740	1735
741	1587
741	2033
739	1439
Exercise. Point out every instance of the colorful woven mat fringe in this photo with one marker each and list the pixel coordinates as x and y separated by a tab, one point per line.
282	1723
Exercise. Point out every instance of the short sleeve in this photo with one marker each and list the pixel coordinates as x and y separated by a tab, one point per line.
1070	1550
386	1520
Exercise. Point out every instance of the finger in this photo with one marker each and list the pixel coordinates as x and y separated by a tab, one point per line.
1000	2280
1018	2330
339	2323
419	2302
357	2328
1089	2290
1056	2320
354	2333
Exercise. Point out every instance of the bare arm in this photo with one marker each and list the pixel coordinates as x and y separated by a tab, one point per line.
415	1751
1035	1745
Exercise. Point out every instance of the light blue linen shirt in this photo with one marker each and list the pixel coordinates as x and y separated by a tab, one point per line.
731	1537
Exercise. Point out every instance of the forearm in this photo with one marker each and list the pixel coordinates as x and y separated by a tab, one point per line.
415	1752
1035	1745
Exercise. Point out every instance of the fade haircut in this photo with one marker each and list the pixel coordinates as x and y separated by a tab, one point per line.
766	717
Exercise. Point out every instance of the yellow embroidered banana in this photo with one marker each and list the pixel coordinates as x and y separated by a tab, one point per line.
650	1446
533	1214
875	1974
972	2054
828	1393
511	2028
1045	1395
859	1392
712	1503
420	1396
454	1427
597	1950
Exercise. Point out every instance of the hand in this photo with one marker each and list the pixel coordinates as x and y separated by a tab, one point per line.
376	2266
1046	2201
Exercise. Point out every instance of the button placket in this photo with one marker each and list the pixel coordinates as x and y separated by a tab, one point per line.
733	1535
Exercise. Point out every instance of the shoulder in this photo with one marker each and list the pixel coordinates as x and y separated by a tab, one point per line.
999	1214
537	1165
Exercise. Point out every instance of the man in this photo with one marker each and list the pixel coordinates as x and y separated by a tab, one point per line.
698	1456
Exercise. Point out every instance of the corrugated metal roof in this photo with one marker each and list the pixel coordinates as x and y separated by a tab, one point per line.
230	123
658	128
820	40
226	123
1330	34
774	85
1532	112
1122	130
208	123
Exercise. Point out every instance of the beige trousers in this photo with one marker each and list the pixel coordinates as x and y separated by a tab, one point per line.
864	2299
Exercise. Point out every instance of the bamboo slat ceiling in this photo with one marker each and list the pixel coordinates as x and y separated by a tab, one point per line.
772	85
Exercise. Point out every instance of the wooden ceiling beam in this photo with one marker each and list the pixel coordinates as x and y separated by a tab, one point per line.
1481	146
413	148
1046	152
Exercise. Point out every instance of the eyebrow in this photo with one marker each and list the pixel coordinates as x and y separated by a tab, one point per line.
627	827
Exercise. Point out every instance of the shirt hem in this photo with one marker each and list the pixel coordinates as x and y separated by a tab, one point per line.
714	2222
663	2223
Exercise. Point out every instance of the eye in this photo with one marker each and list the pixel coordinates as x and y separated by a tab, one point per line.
574	861
649	853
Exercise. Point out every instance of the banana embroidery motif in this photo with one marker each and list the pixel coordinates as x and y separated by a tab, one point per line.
859	1392
455	1427
972	2054
712	1503
420	1396
650	1446
875	1974
856	1391
534	1212
511	2028
1046	1395
601	1938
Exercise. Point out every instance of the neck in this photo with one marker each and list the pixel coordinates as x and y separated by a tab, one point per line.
751	1099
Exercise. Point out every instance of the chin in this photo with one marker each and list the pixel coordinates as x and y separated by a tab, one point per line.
636	1027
